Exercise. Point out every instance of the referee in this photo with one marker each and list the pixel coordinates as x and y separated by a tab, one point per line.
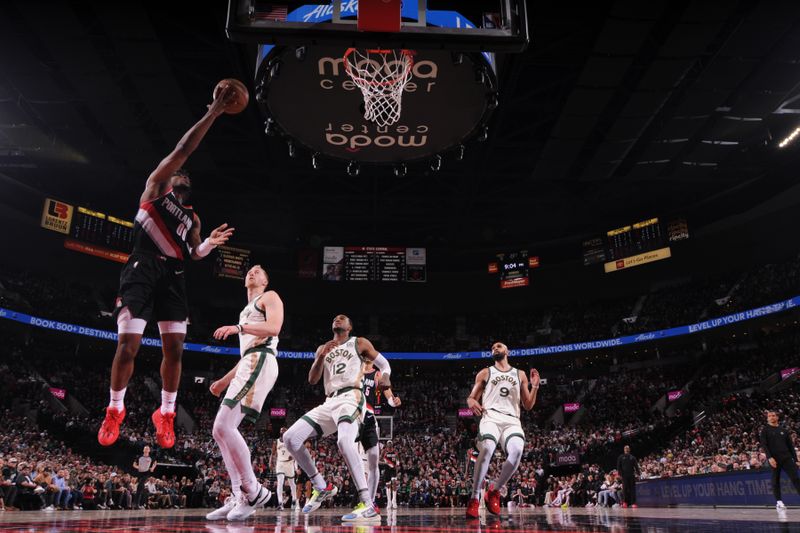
144	467
777	443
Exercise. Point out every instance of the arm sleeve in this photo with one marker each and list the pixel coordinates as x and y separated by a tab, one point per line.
765	443
382	364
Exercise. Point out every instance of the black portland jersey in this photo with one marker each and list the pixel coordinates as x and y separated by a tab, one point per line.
162	226
370	388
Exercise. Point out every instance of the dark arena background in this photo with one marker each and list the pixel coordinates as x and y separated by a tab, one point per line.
610	189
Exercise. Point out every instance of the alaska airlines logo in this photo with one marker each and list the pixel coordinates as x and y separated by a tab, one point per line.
326	11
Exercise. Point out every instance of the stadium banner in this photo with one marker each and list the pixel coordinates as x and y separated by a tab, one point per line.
636	260
56	216
97	251
739	488
712	323
674	395
58	393
570	458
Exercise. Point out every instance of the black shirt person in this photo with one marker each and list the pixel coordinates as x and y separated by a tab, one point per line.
777	444
628	468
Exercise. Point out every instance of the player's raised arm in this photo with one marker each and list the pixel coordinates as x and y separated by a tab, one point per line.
201	248
528	395
473	400
159	178
271	327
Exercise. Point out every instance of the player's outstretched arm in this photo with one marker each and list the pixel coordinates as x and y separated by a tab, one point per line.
473	400
218	237
528	395
273	308
159	178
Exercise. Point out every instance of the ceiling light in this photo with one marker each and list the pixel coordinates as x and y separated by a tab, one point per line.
791	137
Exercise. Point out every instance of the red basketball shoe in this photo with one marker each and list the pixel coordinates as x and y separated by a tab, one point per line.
492	498
109	430
165	428
472	508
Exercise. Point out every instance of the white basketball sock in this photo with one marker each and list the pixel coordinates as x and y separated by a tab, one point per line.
168	401
117	399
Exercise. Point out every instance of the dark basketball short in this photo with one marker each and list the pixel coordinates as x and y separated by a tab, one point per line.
368	436
153	287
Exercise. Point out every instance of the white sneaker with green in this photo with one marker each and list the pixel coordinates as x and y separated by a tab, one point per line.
318	497
362	513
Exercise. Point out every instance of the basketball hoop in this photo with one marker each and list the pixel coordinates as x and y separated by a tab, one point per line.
381	75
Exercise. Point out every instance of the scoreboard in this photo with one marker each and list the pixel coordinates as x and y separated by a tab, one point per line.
374	263
635	239
232	263
513	268
93	227
636	244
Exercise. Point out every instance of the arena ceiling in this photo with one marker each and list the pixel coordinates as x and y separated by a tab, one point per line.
616	112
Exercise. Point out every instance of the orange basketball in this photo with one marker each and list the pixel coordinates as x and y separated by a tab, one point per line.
242	95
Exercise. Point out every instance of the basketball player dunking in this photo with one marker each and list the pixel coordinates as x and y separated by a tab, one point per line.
247	384
285	467
340	362
369	429
152	285
500	389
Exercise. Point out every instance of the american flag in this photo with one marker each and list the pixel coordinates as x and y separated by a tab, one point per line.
275	12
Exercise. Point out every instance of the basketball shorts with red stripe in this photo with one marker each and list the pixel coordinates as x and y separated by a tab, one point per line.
153	287
368	435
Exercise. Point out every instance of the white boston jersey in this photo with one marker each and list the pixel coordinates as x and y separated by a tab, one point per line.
283	452
342	367
501	393
253	314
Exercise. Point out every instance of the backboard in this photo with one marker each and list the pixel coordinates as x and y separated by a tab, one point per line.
306	91
489	25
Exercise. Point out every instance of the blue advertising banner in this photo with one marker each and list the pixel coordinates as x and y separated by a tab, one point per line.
745	487
712	323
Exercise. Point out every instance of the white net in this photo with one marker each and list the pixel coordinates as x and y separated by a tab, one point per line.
381	75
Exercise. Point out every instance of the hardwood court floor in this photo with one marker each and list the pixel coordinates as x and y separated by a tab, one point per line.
698	520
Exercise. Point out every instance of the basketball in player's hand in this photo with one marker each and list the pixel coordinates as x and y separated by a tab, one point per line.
242	95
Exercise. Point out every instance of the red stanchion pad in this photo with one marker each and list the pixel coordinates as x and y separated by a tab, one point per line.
379	15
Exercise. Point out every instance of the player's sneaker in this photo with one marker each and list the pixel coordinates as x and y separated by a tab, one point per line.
109	430
473	508
362	513
245	507
492	498
222	512
165	428
318	497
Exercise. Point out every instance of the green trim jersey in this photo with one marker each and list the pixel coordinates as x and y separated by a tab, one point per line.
253	314
502	392
343	367
283	452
